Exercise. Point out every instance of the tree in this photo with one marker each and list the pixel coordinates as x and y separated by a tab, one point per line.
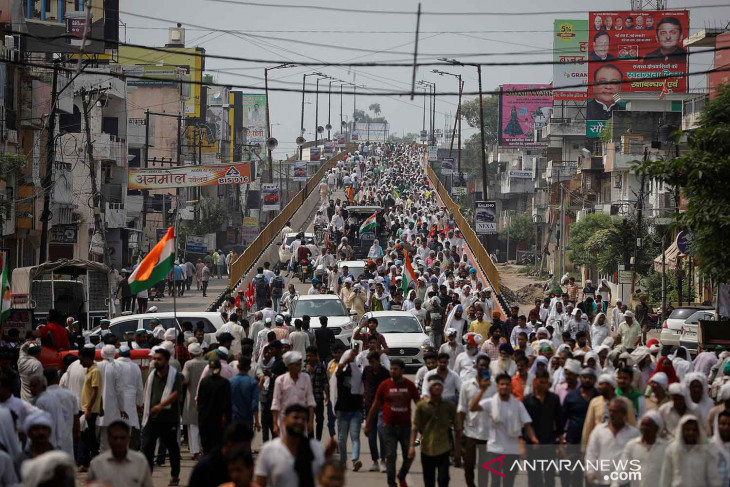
581	233
212	216
375	108
470	112
362	117
521	229
703	175
405	139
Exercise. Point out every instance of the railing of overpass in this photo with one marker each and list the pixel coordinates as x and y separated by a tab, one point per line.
480	253
249	256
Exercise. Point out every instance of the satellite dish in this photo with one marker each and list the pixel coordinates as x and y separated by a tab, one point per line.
300	141
320	129
344	124
328	127
272	143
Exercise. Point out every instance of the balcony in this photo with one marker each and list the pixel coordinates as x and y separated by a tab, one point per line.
620	157
110	148
691	111
563	127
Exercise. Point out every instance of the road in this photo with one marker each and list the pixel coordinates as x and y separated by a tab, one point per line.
192	301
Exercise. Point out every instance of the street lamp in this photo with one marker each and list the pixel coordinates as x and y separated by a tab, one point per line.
320	76
431	108
268	116
301	139
458	112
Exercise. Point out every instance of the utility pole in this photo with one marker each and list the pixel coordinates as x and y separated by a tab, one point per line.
97	203
562	227
481	134
639	218
50	162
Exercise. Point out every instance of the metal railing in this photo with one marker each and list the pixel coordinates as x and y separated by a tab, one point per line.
249	256
480	253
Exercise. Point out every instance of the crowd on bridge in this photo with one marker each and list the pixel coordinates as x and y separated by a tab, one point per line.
576	379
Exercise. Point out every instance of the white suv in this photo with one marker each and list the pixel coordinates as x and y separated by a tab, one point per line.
329	305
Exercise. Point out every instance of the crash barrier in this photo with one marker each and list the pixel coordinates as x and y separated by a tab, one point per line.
481	256
255	249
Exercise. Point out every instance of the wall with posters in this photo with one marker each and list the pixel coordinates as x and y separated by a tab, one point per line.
570	55
627	52
522	110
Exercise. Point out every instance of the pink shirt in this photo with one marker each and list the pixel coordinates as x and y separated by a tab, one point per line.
287	392
562	390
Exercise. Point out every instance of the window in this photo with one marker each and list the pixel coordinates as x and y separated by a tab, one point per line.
124	327
167	323
207	325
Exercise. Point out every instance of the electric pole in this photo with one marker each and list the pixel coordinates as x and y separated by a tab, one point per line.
50	162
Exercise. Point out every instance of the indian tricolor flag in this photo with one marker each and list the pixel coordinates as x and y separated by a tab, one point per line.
409	276
369	224
156	264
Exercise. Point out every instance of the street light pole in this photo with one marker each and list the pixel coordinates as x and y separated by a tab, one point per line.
329	112
268	114
304	86
458	114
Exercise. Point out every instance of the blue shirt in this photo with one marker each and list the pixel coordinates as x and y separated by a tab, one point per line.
575	409
178	273
244	397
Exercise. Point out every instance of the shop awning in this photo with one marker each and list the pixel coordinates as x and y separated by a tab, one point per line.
671	255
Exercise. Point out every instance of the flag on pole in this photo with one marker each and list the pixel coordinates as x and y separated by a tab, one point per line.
409	276
369	224
156	264
665	90
250	295
6	301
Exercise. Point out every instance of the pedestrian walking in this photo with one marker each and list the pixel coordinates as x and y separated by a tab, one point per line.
214	406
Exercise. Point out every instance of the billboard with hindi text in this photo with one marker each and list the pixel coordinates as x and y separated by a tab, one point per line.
189	176
523	109
570	55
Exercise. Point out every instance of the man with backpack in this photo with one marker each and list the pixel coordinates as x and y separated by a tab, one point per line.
277	289
261	288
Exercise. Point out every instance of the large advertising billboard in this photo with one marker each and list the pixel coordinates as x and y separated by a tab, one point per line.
570	55
254	125
523	109
189	176
629	51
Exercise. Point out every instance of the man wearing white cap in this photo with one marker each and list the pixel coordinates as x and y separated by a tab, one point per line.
648	449
607	442
234	329
131	387
63	407
451	347
598	411
112	397
38	427
673	411
192	372
292	388
629	331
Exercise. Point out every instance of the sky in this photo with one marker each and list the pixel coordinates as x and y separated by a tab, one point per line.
289	35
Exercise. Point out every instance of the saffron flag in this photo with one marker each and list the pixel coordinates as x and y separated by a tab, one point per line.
369	224
156	264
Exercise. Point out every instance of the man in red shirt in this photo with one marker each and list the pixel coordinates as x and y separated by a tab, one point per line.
53	334
394	396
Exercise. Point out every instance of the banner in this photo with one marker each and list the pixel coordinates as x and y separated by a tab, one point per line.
189	176
315	154
424	135
271	197
341	143
570	55
254	126
433	153
447	166
523	109
329	148
250	229
627	49
196	244
300	171
485	217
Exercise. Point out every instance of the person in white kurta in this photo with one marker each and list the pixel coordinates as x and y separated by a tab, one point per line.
689	461
63	407
131	386
73	379
29	366
111	396
648	449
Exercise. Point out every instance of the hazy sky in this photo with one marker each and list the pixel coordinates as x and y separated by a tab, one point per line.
280	34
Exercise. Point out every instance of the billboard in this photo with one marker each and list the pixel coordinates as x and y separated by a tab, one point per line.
329	148
625	51
271	196
447	166
189	176
570	55
300	171
523	109
254	127
315	154
485	217
372	131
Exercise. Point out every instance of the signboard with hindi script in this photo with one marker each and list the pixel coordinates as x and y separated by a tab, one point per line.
189	176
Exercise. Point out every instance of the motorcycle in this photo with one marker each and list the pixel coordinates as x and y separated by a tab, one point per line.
305	269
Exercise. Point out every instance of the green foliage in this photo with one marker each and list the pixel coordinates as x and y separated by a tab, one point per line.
521	229
703	175
362	117
212	217
601	242
607	132
375	108
403	139
470	111
652	286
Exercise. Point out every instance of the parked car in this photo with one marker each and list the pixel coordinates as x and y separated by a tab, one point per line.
407	338
124	327
483	216
285	246
672	326
688	333
329	305
271	198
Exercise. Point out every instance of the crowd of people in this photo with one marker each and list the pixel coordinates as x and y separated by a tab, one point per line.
575	379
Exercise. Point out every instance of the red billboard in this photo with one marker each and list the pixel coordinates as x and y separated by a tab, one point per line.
523	109
634	47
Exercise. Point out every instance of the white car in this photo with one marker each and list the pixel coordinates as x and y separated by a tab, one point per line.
672	326
285	246
124	327
406	337
329	305
354	267
688	335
